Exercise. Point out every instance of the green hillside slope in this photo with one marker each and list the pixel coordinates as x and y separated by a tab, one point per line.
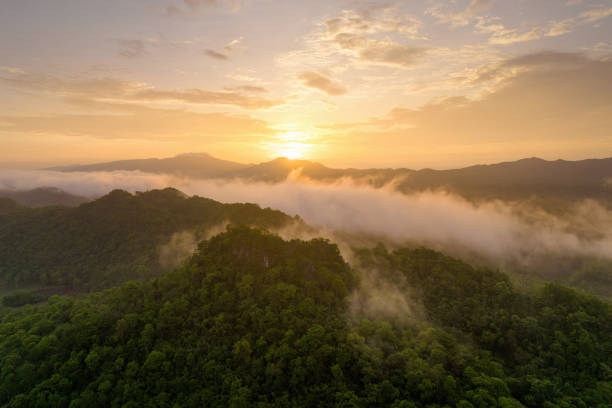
255	321
108	241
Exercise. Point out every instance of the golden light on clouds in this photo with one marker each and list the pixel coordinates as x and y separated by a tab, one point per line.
351	83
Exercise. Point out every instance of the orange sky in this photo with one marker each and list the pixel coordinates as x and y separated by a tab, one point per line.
349	83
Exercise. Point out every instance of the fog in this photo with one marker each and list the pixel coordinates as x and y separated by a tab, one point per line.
494	230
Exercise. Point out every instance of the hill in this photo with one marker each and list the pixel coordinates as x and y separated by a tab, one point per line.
43	196
195	165
522	178
253	320
110	240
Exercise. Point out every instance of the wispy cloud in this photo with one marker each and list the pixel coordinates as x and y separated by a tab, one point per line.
232	47
459	19
131	91
374	21
539	99
131	48
248	88
375	37
216	55
12	70
195	6
478	6
568	25
127	121
352	33
322	83
501	35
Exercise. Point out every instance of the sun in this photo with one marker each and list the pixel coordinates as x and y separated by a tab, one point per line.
291	150
292	144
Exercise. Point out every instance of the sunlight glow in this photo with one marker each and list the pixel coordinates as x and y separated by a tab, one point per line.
292	144
292	150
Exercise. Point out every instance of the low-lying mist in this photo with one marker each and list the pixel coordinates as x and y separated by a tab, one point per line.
494	230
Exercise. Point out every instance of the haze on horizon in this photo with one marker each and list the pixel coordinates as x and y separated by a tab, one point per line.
347	83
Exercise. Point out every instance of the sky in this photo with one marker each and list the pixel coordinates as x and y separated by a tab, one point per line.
347	83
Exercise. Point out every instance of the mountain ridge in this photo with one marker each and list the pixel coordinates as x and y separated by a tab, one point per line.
235	169
522	179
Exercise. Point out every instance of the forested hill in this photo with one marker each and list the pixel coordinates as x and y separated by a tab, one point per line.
110	240
255	321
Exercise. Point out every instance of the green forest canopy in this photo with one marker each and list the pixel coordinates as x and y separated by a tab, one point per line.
110	240
252	320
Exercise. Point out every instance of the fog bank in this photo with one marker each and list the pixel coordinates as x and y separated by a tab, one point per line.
437	219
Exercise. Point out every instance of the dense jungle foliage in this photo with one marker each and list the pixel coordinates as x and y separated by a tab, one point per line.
108	241
254	321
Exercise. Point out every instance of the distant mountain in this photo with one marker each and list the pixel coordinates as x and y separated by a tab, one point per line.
279	169
113	239
531	171
526	178
522	179
43	196
196	165
528	172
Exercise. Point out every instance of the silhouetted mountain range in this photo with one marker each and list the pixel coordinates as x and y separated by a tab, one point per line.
529	171
196	165
526	178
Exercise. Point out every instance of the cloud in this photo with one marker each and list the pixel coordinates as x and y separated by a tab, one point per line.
388	52
459	19
543	60
198	96
216	55
492	230
232	47
94	87
568	25
132	48
88	184
379	51
130	91
513	36
12	70
382	295
234	44
500	35
322	83
541	100
127	121
478	6
378	36
248	88
195	6
386	20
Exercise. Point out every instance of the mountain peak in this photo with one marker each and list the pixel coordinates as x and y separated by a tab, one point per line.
195	154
